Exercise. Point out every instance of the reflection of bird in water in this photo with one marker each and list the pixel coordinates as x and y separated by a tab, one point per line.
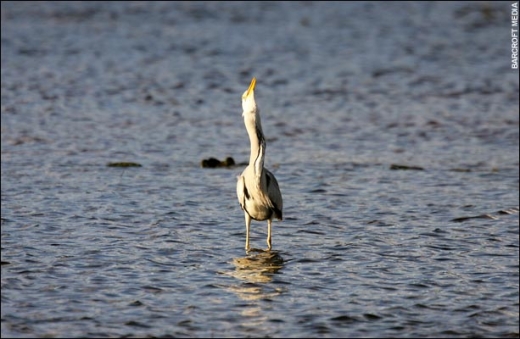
257	189
256	270
259	267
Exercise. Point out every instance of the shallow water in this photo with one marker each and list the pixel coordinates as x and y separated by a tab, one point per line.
393	131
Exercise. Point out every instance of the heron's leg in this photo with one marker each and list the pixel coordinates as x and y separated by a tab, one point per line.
248	224
269	234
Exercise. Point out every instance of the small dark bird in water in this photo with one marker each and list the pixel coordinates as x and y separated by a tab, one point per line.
214	163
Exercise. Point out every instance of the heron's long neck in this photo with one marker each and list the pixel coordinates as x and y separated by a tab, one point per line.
256	137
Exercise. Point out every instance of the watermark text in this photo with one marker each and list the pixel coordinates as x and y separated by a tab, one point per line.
514	35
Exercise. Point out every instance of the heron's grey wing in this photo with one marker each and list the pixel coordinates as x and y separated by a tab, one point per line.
274	194
240	192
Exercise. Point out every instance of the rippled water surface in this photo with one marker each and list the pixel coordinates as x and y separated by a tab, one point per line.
392	128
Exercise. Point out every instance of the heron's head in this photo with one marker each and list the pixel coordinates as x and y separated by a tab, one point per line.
248	99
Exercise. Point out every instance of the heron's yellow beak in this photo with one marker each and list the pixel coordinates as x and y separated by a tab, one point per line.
251	87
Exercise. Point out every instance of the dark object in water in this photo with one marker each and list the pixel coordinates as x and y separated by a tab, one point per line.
214	163
404	167
482	216
512	210
123	164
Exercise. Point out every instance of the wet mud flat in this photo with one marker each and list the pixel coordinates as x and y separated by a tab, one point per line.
392	129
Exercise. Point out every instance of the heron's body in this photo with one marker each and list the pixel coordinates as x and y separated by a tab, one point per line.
257	189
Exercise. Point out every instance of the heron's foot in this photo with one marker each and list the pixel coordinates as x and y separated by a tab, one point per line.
268	245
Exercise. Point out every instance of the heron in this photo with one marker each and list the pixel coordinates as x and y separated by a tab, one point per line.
257	189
